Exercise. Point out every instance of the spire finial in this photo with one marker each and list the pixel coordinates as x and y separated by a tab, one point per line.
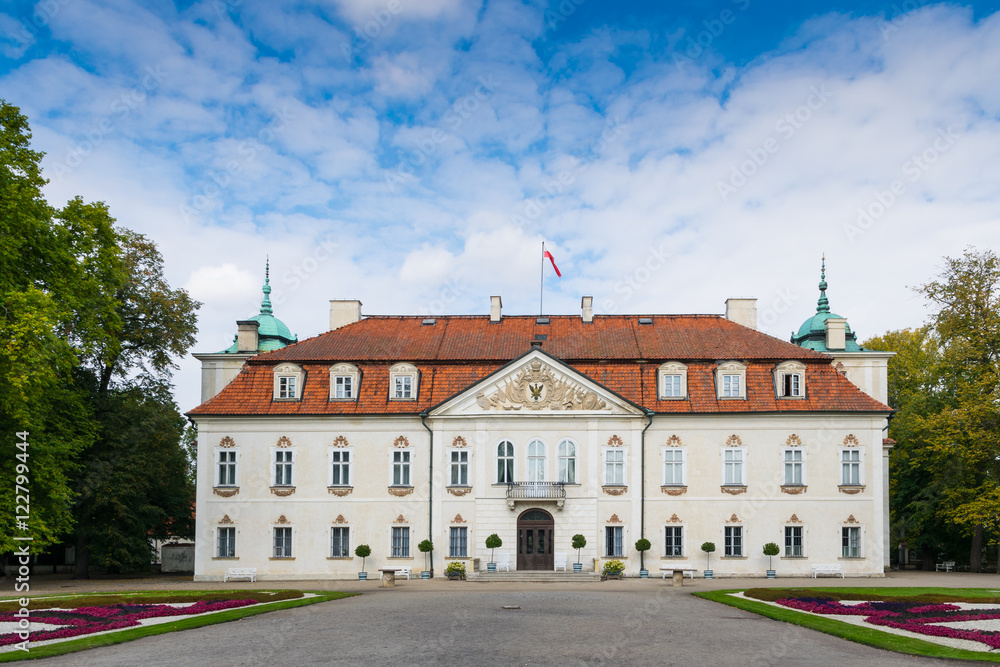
265	304
823	305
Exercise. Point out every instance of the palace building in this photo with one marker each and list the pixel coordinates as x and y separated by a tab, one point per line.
683	429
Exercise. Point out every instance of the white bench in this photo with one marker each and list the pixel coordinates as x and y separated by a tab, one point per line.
403	572
832	568
678	570
560	561
240	573
947	566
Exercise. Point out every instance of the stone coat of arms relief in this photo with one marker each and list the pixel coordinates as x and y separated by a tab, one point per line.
536	388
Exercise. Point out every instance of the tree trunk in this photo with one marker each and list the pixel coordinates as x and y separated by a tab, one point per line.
976	554
81	570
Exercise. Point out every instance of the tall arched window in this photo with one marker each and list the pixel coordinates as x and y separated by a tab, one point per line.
567	461
505	462
536	461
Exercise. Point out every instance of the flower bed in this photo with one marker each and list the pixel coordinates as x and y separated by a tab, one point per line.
89	620
932	620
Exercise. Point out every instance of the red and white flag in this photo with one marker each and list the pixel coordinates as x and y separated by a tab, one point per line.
548	254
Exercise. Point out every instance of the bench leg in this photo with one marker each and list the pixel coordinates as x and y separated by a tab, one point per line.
678	578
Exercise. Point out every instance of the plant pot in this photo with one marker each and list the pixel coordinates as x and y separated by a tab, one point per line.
425	574
708	574
612	576
491	567
362	576
770	574
455	577
644	574
578	567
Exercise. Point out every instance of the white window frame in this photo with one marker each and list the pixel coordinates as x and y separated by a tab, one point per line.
512	459
399	372
614	544
344	375
452	551
743	466
457	464
537	463
844	549
218	542
233	465
606	466
290	466
407	465
274	543
567	462
288	382
404	530
724	382
727	547
860	465
674	463
347	549
287	386
676	371
348	464
786	463
669	529
802	541
790	369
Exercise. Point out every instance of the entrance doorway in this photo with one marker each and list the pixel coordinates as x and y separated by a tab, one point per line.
534	540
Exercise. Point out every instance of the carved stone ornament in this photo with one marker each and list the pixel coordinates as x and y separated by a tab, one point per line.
282	519
615	441
282	491
733	441
340	441
458	519
459	441
340	491
536	388
340	519
851	519
841	368
851	490
794	519
733	519
793	441
225	519
401	442
460	490
793	490
673	519
851	441
734	490
673	441
227	442
615	490
284	441
674	490
614	519
400	491
226	492
400	519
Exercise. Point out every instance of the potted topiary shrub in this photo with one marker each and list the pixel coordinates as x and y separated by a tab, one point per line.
708	548
642	545
363	551
493	542
455	570
612	570
425	548
771	550
579	542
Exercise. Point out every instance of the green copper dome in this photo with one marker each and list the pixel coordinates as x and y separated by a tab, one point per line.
812	333
272	334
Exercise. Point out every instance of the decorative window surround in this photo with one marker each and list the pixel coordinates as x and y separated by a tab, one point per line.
674	466
615	490
226	491
673	490
731	380
459	490
345	382
671	378
404	380
790	380
851	490
289	380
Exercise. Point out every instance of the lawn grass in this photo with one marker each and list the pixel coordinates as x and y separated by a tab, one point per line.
863	635
130	634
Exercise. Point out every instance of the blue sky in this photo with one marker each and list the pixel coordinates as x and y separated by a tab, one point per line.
414	154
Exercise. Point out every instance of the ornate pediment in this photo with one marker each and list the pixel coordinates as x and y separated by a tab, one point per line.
537	387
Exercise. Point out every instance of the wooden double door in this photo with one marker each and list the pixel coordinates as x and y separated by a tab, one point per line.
535	529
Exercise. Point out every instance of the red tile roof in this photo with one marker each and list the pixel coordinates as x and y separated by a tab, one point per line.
614	351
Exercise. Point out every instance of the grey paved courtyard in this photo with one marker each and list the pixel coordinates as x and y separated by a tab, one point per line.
463	623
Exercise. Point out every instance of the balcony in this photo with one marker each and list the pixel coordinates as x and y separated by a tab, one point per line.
531	491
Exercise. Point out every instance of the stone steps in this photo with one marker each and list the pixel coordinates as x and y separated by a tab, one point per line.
534	576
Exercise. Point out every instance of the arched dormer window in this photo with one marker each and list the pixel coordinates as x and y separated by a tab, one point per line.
403	382
345	382
731	380
288	382
672	380
790	380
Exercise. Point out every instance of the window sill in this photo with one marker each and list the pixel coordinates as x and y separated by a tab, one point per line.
733	557
673	398
399	558
732	398
791	398
343	400
285	400
393	398
282	558
673	557
340	557
794	557
456	558
225	557
614	558
851	558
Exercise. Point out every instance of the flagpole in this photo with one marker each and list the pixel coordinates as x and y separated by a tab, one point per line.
541	282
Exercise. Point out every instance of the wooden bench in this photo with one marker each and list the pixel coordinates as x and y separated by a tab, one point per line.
947	566
678	570
831	568
240	573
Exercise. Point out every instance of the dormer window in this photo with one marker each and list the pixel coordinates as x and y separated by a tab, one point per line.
403	382
288	379
344	379
789	380
672	380
731	380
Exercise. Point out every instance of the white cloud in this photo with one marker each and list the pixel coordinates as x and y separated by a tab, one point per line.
215	285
